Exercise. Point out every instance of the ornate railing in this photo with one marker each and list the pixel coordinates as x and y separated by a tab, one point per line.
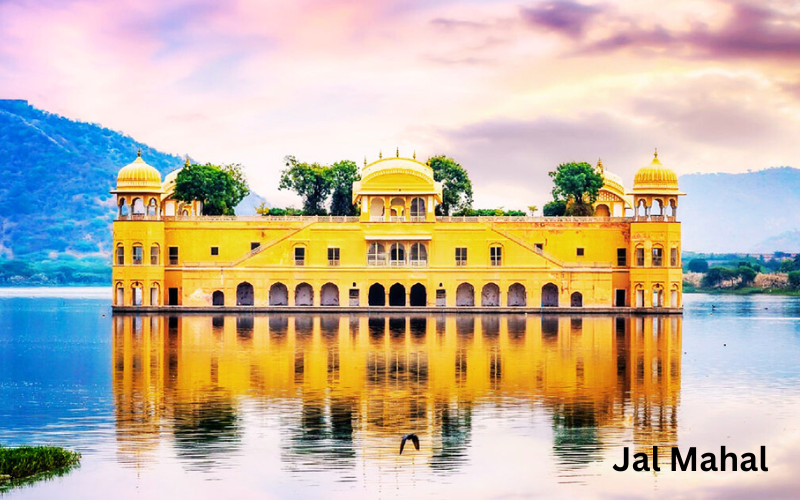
335	218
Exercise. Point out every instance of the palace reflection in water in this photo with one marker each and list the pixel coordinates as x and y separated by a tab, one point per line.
343	389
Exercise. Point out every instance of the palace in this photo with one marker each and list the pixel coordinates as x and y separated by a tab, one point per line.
397	252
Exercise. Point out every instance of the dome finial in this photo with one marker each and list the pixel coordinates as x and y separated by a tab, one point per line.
380	155
365	161
139	153
398	153
187	161
415	154
655	155
600	165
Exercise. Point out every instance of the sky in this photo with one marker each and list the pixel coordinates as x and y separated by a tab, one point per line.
508	89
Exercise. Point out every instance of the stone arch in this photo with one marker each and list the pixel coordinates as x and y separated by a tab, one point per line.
137	207
304	295
376	208
278	295
418	296
417	208
658	296
245	295
377	295
155	293
641	208
329	295
576	299
658	207
397	206
137	293
490	295
549	295
218	298
397	295
120	295
602	211
517	296
152	207
465	295
123	207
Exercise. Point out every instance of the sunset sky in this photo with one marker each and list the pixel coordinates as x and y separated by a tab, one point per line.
508	89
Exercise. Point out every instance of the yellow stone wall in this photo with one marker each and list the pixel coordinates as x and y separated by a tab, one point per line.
595	274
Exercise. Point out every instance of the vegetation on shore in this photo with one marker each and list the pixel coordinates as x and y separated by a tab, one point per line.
31	463
777	274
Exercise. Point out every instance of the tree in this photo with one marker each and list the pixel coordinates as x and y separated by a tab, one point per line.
747	275
456	186
311	182
555	208
342	176
578	185
219	188
716	275
698	265
533	209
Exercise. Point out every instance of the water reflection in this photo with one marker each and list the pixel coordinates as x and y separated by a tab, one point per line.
345	388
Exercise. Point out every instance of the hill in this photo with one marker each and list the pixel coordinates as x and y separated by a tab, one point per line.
749	212
55	206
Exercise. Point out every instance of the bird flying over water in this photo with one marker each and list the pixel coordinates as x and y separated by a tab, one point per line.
414	439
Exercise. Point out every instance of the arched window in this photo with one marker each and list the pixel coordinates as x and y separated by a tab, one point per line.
641	209
218	298
120	294
376	210
169	209
658	256
576	300
152	207
154	294
658	207
138	254
418	209
376	255
120	255
137	207
245	294
278	295
419	254
123	207
155	251
397	257
640	256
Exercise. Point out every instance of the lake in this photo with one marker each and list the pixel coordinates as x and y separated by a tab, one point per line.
314	406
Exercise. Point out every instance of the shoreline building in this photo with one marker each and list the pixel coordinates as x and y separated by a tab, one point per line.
397	252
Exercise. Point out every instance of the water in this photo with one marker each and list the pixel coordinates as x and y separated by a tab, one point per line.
302	406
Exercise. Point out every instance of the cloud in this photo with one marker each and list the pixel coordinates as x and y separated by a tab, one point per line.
750	31
565	17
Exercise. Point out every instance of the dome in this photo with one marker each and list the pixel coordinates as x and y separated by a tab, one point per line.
139	175
655	178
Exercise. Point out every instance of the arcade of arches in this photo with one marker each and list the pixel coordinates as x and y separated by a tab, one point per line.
393	295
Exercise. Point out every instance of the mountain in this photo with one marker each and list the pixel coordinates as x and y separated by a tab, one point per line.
55	178
749	212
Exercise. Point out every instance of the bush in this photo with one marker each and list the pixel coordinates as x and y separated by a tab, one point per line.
794	280
555	209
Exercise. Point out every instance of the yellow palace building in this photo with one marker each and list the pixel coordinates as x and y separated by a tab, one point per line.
397	252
